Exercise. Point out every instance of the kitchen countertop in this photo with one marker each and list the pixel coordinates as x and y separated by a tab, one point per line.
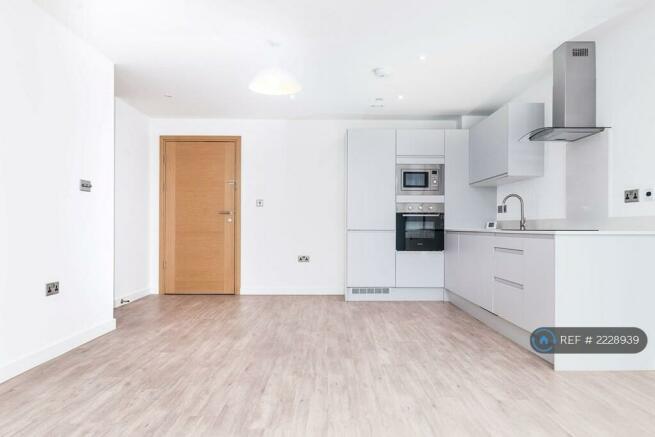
554	232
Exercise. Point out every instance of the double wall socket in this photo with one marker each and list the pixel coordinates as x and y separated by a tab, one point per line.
631	196
51	288
303	258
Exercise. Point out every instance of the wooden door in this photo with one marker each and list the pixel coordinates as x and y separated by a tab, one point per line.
199	215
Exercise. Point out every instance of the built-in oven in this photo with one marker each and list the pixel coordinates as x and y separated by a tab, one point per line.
420	179
419	226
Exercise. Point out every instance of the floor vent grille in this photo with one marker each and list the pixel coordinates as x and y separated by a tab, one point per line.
370	291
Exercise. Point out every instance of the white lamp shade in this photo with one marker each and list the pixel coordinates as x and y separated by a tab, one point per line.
275	82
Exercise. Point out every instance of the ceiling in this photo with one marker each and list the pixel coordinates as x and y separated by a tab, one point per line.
202	54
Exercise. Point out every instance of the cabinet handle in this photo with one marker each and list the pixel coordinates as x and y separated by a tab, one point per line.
508	283
507	250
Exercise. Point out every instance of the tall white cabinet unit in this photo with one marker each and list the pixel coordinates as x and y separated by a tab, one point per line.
374	269
421	142
371	180
371	209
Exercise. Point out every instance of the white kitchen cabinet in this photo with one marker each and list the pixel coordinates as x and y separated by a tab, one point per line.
509	298
540	283
475	268
451	261
420	269
524	280
510	275
371	259
467	206
499	150
371	189
420	142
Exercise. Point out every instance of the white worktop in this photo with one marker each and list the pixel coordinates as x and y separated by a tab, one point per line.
554	232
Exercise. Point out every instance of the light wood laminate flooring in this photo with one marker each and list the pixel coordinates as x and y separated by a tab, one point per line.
314	366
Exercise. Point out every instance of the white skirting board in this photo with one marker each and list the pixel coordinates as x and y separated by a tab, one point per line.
503	327
291	291
396	294
136	295
30	361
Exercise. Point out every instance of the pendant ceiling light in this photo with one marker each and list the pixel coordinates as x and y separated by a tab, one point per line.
275	82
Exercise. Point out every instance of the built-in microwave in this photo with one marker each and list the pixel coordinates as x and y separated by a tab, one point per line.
420	179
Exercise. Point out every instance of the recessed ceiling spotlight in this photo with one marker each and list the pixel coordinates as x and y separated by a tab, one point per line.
168	96
381	72
292	97
422	58
379	99
377	105
400	97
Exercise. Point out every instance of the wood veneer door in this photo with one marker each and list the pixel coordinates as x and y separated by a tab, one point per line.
199	216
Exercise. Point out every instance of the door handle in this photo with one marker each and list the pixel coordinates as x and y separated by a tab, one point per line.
225	212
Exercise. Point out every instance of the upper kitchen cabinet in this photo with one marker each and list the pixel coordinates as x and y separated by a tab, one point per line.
371	192
420	142
499	152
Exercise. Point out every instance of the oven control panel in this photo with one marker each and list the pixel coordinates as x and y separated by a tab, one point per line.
420	208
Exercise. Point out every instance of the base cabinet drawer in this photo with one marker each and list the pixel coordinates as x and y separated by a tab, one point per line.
509	264
508	301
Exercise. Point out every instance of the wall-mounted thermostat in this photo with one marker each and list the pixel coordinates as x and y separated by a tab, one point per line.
85	185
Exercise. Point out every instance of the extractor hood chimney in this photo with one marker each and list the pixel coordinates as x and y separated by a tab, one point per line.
574	94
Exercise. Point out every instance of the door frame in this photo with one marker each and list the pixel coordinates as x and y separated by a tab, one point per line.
162	202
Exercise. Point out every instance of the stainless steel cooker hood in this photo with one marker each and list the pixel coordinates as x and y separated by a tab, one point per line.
574	94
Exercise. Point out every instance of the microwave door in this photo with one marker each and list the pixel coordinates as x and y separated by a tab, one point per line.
416	180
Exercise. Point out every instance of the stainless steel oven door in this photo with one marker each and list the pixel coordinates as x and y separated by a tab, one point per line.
418	230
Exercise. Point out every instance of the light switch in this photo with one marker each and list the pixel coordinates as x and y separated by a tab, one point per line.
85	185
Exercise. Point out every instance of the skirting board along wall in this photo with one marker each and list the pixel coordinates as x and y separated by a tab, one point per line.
131	297
58	128
27	362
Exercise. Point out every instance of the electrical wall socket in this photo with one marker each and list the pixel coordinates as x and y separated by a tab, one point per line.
303	258
259	203
631	196
649	194
51	288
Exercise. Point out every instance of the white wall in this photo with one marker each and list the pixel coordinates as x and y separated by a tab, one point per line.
545	196
132	191
626	102
297	167
584	181
57	127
